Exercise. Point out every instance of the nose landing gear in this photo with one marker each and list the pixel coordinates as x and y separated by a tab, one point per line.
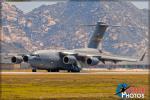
34	70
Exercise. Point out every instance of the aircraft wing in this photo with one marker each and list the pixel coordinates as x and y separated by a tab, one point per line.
109	57
84	56
117	58
8	56
102	57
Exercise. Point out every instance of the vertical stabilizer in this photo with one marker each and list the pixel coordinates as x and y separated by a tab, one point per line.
98	34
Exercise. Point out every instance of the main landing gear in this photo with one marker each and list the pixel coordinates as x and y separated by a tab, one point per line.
33	70
53	70
74	68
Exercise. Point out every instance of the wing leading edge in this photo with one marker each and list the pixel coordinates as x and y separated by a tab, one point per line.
103	57
117	58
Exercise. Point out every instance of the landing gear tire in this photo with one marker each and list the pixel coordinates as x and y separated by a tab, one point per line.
49	70
57	70
69	70
54	70
33	70
75	69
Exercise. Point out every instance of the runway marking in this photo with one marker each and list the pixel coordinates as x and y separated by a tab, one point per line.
105	73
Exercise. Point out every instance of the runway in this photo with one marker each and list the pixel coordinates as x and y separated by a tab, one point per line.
101	73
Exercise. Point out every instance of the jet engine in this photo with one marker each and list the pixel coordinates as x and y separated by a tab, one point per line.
25	58
28	58
92	61
69	59
16	59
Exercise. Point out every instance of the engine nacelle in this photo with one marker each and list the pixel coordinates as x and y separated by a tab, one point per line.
69	59
16	59
92	61
28	58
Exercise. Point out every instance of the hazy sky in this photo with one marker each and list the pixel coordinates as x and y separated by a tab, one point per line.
141	4
29	6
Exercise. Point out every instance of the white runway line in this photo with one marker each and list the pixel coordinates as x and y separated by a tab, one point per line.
104	73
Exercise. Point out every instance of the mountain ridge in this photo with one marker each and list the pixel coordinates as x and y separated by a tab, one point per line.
49	27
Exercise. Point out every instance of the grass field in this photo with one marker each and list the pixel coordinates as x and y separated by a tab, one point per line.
67	86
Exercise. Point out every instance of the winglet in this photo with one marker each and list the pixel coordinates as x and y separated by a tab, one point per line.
143	55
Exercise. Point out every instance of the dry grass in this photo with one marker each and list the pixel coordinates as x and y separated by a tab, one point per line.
67	86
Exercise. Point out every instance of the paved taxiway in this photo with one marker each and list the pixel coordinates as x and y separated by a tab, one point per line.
104	73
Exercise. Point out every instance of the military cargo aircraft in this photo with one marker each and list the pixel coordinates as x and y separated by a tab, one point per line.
72	60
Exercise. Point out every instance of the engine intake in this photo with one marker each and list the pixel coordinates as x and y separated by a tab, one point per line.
69	60
16	59
92	61
25	58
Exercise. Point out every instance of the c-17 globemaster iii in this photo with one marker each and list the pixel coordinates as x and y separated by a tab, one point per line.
72	60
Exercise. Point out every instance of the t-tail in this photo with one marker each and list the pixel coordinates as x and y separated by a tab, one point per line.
98	35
